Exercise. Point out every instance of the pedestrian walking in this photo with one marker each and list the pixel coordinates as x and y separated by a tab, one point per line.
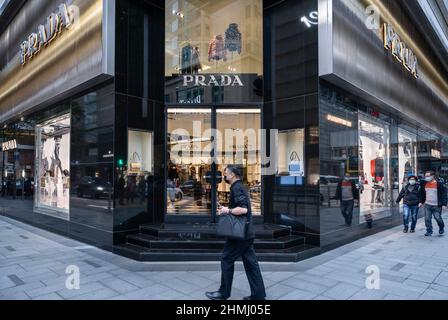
411	196
239	204
434	199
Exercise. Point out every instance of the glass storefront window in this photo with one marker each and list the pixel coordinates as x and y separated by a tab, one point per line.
290	162
407	155
218	36
140	152
198	148
215	45
53	167
239	129
429	152
375	199
188	187
133	183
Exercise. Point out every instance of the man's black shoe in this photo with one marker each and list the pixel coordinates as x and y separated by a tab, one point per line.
252	298
441	231
215	295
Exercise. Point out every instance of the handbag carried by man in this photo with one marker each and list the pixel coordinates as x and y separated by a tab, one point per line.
232	227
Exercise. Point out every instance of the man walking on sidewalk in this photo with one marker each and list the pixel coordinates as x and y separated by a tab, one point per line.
434	198
233	249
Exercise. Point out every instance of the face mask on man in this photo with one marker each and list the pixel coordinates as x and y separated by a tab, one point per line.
429	179
412	182
226	180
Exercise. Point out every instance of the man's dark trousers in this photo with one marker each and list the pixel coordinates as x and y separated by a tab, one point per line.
234	249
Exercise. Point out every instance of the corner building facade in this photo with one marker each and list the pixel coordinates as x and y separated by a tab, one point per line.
117	131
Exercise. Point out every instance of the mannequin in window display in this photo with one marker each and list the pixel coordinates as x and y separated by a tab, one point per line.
45	177
377	173
58	174
407	150
190	63
216	49
233	39
171	183
57	164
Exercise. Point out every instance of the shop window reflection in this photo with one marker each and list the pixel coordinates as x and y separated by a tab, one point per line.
374	157
340	182
133	186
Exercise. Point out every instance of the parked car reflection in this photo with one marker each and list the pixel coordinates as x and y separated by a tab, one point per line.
94	187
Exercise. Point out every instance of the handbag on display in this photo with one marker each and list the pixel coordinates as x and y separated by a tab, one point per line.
294	164
232	227
134	165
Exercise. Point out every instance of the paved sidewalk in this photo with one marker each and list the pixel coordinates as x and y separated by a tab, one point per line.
33	265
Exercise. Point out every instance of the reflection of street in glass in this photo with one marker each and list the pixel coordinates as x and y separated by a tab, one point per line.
375	174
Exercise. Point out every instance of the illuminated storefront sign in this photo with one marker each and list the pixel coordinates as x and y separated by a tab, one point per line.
400	50
213	81
339	121
9	145
53	26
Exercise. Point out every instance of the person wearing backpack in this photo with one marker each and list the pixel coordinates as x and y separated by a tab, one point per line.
411	196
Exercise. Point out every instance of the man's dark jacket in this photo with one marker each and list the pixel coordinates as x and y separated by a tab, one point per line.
410	198
240	198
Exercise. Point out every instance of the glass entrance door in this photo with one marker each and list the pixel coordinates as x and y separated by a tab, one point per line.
240	146
201	142
189	138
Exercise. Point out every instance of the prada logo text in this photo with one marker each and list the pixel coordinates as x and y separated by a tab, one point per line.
47	32
400	50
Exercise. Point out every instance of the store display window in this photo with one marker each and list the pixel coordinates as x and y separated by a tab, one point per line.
140	152
407	155
375	199
218	36
290	162
53	167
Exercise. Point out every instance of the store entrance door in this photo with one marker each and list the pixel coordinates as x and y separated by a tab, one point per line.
201	142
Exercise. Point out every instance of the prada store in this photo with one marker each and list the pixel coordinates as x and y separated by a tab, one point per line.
136	107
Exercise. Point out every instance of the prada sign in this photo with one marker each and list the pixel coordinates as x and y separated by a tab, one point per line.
210	80
53	26
400	50
9	145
